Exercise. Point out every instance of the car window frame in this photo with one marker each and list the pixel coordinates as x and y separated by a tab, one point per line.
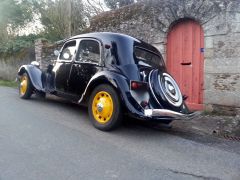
145	49
90	62
73	57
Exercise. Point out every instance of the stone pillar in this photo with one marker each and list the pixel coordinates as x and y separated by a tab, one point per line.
39	45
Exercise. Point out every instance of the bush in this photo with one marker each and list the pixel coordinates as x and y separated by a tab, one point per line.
18	43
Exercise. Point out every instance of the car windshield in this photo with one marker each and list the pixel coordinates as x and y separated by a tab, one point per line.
147	58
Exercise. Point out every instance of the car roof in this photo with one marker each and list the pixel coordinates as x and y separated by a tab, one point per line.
103	35
108	37
124	45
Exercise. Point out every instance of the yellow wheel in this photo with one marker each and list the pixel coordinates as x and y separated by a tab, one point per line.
25	86
104	108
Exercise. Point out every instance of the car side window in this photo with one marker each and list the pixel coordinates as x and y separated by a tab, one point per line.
89	51
68	51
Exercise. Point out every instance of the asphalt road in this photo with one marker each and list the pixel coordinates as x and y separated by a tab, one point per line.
54	140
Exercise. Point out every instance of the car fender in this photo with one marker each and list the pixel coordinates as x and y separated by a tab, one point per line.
120	84
35	75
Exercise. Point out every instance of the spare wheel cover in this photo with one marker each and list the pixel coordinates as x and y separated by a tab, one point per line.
165	88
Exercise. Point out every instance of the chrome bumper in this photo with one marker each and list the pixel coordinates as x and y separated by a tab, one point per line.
170	114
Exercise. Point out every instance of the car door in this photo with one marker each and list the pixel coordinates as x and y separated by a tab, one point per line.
85	65
63	65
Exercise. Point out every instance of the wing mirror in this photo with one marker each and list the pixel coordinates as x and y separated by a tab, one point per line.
56	52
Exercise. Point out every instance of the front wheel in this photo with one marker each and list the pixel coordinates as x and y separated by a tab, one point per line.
25	86
104	108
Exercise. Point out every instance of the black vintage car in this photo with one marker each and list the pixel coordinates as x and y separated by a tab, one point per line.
113	74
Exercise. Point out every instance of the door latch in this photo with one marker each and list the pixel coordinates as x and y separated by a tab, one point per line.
186	63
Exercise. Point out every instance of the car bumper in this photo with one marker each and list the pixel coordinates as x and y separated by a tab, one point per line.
169	114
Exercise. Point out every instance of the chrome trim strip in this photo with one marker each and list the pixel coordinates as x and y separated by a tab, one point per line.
149	82
169	113
83	94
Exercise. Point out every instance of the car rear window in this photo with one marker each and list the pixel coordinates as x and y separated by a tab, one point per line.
147	58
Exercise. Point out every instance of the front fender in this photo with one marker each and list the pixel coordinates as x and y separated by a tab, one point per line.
121	85
35	75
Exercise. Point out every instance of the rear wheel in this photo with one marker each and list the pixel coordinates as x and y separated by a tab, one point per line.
104	108
25	86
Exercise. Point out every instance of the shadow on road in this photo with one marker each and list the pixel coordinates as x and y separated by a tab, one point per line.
128	123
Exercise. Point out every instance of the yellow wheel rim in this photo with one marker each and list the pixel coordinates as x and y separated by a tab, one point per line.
102	107
23	85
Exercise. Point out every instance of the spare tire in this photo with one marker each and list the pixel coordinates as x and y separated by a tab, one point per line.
165	89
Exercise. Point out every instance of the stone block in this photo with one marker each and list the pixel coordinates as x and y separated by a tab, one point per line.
221	69
227	46
222	65
227	82
208	53
222	98
160	37
207	11
234	27
233	6
217	25
208	42
224	82
193	6
208	81
233	17
229	52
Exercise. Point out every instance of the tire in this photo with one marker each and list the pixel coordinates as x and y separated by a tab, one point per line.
104	108
25	86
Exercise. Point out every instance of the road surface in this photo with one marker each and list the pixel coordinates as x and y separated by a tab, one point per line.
54	140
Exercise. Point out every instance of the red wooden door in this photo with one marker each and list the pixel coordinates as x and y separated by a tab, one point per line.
185	44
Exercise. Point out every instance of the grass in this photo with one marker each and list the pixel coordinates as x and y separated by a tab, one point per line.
8	83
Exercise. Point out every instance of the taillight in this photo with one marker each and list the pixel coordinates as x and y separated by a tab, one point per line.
137	85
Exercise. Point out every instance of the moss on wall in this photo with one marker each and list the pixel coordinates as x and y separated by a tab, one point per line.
115	18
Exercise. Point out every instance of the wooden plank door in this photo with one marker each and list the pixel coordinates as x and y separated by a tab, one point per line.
185	47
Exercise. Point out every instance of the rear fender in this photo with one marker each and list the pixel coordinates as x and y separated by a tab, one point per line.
35	75
120	83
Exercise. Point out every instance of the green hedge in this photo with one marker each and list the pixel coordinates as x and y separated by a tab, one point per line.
18	43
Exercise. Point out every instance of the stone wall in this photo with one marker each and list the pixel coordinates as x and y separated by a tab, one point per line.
220	20
45	52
